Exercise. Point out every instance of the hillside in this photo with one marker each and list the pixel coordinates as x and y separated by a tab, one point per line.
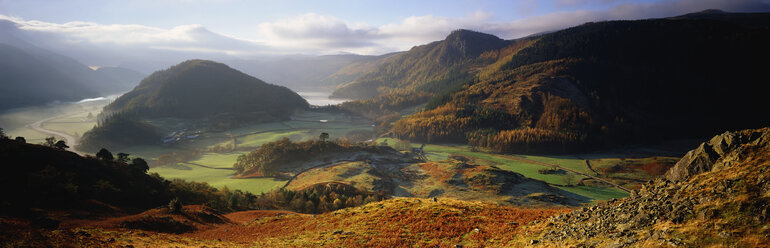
117	133
384	170
722	201
606	83
34	76
422	64
284	157
200	88
353	70
55	179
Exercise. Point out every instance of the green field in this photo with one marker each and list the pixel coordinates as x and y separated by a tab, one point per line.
218	160
530	170
72	119
217	178
303	126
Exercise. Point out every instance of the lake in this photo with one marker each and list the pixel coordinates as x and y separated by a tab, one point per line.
318	98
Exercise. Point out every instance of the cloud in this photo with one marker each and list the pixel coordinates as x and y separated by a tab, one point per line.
318	32
184	36
312	33
326	32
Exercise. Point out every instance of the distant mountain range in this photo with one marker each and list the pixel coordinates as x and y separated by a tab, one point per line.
30	75
301	72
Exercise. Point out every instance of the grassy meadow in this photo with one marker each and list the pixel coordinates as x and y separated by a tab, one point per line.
302	126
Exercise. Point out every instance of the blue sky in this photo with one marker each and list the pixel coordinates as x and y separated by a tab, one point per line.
210	28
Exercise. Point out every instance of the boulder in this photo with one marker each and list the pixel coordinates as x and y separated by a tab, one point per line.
714	154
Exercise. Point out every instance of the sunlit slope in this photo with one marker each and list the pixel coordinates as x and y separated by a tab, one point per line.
607	83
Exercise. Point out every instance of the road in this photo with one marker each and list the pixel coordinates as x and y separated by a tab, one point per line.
71	141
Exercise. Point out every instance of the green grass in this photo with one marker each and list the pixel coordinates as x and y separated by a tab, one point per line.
570	162
148	152
217	178
219	160
508	162
355	173
255	140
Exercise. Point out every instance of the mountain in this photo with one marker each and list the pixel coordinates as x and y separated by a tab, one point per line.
299	72
124	79
28	80
609	83
201	88
423	66
30	75
354	70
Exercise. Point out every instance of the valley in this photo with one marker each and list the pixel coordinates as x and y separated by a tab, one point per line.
620	133
210	156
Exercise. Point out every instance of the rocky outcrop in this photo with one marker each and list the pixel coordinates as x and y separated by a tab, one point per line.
717	153
657	202
729	199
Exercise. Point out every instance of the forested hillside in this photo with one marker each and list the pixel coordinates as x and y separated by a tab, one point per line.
200	88
608	83
423	73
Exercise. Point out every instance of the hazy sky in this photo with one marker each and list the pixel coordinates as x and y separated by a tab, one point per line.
248	28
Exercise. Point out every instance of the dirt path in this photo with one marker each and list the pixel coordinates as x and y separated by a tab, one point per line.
71	141
588	164
568	169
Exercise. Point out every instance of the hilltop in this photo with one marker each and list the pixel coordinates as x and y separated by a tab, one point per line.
210	95
201	88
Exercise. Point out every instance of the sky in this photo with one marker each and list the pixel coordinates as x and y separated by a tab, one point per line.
239	28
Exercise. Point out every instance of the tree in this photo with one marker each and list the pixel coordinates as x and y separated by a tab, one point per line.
175	206
140	164
122	157
570	179
2	134
21	139
61	145
50	141
105	155
323	137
